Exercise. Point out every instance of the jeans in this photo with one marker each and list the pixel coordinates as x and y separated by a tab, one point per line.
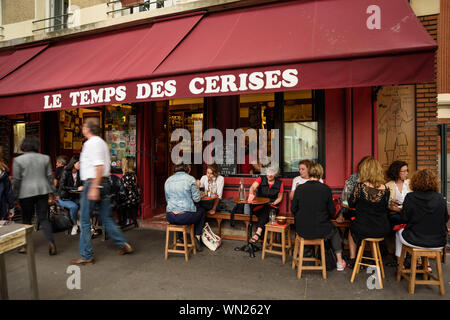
399	241
86	208
72	205
196	218
40	205
335	240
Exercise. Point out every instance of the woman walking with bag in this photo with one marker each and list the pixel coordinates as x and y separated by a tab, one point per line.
32	184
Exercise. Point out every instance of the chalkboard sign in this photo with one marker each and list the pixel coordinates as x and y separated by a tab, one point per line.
32	129
228	169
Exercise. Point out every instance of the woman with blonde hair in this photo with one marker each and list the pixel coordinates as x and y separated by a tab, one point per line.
129	193
370	198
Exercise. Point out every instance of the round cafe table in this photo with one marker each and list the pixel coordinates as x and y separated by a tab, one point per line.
250	247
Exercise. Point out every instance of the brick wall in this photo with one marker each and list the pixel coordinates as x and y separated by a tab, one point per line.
427	141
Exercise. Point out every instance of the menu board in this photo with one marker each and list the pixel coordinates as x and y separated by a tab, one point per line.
228	169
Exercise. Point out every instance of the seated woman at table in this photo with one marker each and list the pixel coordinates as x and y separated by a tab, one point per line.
303	168
425	214
70	181
212	183
313	208
370	197
398	186
267	186
349	185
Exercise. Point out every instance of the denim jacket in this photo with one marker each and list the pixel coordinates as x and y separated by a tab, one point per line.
181	193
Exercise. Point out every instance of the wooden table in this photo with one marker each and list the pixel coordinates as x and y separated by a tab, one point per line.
13	236
250	247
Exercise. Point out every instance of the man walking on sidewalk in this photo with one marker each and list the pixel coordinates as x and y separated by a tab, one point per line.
94	171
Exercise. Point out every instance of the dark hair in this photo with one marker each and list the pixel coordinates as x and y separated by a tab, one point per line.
30	144
424	180
181	167
393	173
72	162
93	125
214	168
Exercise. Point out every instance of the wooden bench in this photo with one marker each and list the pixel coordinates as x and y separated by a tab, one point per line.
220	216
231	189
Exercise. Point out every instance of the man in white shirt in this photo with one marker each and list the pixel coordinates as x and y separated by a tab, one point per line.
94	171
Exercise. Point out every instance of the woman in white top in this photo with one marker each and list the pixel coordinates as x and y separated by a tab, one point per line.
303	168
212	183
398	184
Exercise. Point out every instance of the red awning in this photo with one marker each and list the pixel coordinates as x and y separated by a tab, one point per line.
100	59
292	45
11	60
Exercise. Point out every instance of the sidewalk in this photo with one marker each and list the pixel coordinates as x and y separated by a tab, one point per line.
221	275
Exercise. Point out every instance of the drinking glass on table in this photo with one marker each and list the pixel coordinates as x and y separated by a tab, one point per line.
272	216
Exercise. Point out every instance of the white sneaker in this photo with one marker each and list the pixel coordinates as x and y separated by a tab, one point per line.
74	230
341	266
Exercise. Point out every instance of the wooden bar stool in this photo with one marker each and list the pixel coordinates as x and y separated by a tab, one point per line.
376	256
172	248
284	231
299	249
426	254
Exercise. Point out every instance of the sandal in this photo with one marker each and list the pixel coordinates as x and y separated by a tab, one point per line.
255	238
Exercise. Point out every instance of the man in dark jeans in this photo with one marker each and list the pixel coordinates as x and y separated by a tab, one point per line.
181	194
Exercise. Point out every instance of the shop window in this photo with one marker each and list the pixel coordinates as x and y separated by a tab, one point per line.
117	122
301	130
19	135
256	111
182	115
120	134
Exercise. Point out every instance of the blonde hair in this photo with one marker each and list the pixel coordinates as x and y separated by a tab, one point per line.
316	171
127	164
371	172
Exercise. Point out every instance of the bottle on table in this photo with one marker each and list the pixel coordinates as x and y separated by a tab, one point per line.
242	196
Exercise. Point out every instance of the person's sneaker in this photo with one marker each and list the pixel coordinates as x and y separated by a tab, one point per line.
74	230
341	266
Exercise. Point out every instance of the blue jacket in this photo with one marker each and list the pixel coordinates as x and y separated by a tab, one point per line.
6	195
181	193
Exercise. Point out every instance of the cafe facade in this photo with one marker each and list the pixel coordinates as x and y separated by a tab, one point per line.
322	73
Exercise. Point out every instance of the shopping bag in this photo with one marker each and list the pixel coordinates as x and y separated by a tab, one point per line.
211	240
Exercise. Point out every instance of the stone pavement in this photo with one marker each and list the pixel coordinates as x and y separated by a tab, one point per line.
221	275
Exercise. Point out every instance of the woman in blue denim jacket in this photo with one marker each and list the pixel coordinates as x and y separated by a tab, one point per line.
182	194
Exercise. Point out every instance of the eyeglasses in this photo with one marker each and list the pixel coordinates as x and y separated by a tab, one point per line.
404	170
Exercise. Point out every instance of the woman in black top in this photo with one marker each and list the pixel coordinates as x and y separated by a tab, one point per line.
70	181
313	207
425	214
129	193
268	186
370	197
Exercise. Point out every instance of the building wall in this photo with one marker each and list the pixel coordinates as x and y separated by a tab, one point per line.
14	11
425	7
87	3
426	113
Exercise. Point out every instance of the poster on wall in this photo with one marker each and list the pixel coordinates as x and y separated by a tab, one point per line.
68	143
396	125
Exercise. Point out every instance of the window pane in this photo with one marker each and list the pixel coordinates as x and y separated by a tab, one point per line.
301	137
300	142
